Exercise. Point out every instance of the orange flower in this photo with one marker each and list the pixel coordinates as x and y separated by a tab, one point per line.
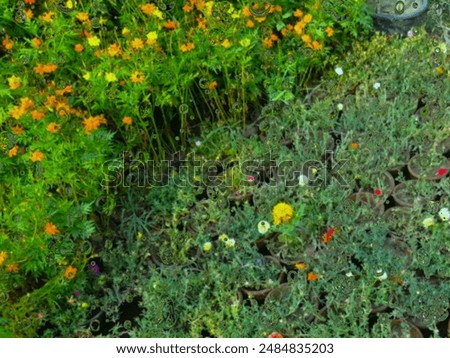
250	24
28	13
53	127
315	45
37	156
148	9
92	123
212	85
187	47
13	151
17	112
275	335
354	145
306	39
18	130
48	16
298	13
3	257
78	47
82	16
14	268
70	272
36	42
137	44
114	50
51	229
187	8
246	12
8	43
329	31
127	120
170	25
42	69
439	70
308	18
312	276
29	2
26	103
62	92
137	77
14	82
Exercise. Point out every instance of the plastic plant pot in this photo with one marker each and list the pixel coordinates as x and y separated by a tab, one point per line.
413	192
397	16
429	167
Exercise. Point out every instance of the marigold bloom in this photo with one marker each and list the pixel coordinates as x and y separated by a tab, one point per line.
298	13
439	70
13	268
137	44
250	24
127	120
17	112
17	129
8	44
306	39
93	41
29	2
148	9
48	16
82	16
312	276
92	123
308	18
226	43
246	12
51	229
354	145
28	13
187	8
14	82
187	47
53	127
137	77
70	272
212	85
170	25
315	45
78	47
114	50
13	151
282	213
37	156
42	69
329	31
3	257
36	42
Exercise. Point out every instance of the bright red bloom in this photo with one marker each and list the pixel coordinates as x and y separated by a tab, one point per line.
442	172
377	192
275	335
328	236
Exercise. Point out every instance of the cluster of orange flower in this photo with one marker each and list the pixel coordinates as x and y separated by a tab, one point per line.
42	69
93	122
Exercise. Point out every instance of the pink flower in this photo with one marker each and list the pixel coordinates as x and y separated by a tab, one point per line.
250	178
377	192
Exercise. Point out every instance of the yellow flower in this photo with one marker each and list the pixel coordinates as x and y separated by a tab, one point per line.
439	70
13	151
48	16
3	257
110	77
37	156
428	222
157	13
308	18
300	266
223	237
87	76
226	43
14	82
245	42
93	41
282	213
114	50
137	44
152	36
306	38
137	77
126	31
298	13
230	243
207	246
329	31
83	16
187	47
128	121
53	127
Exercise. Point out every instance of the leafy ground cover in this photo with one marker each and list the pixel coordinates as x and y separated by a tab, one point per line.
218	169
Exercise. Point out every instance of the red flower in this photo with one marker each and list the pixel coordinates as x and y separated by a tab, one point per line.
328	236
377	192
275	335
442	172
250	178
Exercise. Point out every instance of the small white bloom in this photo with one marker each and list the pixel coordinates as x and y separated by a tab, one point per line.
443	47
444	214
340	107
339	71
382	275
428	222
207	246
303	180
377	85
410	33
263	227
198	143
230	243
349	274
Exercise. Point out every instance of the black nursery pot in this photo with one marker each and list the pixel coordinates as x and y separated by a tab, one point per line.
397	16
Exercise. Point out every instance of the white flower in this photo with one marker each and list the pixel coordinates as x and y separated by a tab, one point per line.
207	246
198	143
444	214
303	180
349	274
339	71
410	33
381	275
428	222
263	227
230	243
377	85
340	107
